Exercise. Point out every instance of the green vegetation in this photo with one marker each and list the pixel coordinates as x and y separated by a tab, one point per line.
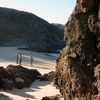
24	29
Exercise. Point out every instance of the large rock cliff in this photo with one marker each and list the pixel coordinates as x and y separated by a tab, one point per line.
77	76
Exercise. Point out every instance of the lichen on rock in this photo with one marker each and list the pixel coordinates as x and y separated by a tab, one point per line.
77	61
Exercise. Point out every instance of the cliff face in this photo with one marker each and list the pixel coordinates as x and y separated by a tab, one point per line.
76	73
26	29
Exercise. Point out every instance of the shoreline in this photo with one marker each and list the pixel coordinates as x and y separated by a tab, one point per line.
42	62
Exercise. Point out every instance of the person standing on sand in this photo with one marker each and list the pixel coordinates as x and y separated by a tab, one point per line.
20	59
17	58
31	59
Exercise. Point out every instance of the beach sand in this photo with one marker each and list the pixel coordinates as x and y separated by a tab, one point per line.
43	62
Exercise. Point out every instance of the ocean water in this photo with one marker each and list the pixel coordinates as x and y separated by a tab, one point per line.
54	55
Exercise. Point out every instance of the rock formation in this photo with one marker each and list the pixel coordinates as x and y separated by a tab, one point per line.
55	97
47	77
17	76
77	62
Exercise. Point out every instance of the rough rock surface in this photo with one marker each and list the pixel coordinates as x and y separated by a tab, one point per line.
76	64
47	77
56	97
17	76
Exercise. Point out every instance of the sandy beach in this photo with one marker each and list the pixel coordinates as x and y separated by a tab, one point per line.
43	62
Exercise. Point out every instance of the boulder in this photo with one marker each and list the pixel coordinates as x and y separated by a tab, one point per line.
47	77
56	97
17	76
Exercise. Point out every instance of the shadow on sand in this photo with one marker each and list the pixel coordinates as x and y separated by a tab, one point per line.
24	92
4	97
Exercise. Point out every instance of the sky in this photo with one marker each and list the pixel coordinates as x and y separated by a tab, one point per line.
53	11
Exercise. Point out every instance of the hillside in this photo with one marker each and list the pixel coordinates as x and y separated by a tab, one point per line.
19	28
60	26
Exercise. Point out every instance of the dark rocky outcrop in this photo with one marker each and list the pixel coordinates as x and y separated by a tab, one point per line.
47	77
78	59
56	97
19	28
17	76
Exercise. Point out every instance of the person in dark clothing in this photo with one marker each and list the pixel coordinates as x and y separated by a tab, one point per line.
31	59
17	58
20	59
